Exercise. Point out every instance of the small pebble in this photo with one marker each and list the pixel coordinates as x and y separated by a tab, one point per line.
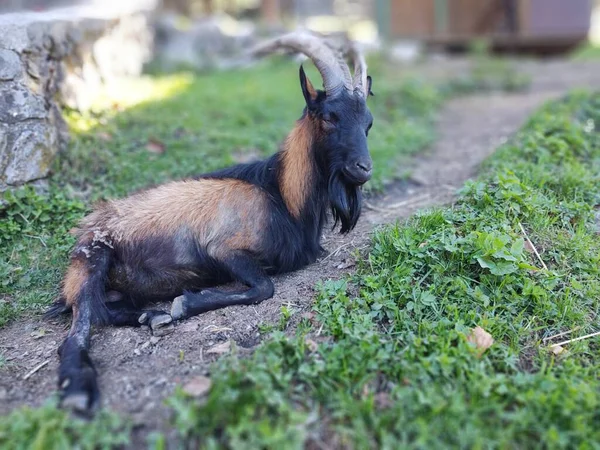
154	340
137	352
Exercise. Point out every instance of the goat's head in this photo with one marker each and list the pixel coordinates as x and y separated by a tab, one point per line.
339	115
340	110
343	121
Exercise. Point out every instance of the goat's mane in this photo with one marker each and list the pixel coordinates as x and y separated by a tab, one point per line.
296	177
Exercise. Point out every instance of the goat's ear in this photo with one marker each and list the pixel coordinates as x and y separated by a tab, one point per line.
369	84
309	92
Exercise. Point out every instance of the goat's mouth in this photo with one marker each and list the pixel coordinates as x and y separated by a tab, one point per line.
357	177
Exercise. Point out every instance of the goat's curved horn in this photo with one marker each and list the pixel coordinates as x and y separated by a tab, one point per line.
360	69
333	69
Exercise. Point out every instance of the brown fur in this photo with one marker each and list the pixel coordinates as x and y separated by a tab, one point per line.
215	211
76	276
297	174
311	89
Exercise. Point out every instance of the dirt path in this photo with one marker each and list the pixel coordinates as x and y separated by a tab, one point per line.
137	372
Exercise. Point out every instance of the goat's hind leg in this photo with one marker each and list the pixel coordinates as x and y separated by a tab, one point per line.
243	268
84	288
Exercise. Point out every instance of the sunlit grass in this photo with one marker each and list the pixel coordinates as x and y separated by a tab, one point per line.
126	93
587	51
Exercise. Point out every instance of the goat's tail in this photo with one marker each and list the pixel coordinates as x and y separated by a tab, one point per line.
58	308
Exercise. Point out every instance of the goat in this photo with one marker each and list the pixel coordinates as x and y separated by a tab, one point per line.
175	242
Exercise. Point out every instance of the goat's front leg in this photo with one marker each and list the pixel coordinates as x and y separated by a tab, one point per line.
243	268
122	313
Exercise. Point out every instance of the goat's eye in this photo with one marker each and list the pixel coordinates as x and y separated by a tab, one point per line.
368	128
329	121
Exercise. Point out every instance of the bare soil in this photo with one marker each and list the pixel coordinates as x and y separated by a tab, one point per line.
137	371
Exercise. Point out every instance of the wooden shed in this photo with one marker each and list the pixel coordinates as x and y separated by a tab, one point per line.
539	25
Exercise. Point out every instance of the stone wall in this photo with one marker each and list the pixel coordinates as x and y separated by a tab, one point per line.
54	59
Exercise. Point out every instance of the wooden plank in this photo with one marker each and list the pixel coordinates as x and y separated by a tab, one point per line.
412	19
383	18
270	11
524	14
441	16
558	17
541	44
466	15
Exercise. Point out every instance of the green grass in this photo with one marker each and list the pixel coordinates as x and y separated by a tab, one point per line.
47	428
488	73
202	122
393	367
587	51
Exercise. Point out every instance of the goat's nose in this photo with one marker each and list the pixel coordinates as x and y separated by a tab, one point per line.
365	166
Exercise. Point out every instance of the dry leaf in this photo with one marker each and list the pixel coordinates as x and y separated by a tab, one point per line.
311	345
383	400
365	391
104	136
179	132
219	349
528	247
557	349
310	316
481	338
197	386
246	156
188	327
346	264
38	334
155	146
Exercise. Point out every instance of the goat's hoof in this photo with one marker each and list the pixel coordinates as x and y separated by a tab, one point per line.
162	325
159	322
178	308
77	402
80	395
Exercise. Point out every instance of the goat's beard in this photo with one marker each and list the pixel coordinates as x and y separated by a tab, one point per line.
345	200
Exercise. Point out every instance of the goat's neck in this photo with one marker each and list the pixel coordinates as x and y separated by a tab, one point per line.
298	175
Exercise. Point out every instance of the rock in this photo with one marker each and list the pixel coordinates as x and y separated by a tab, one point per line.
219	349
61	58
3	147
19	103
197	386
35	145
10	65
210	42
406	52
188	327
